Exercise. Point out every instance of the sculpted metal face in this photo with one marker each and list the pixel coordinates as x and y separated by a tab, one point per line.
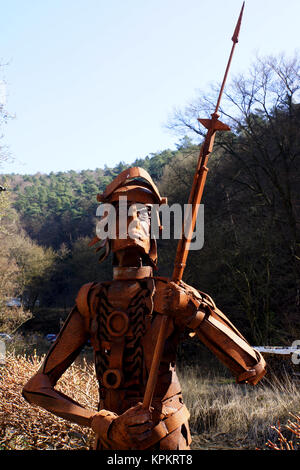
138	189
133	223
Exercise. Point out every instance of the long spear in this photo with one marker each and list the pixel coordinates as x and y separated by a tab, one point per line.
212	125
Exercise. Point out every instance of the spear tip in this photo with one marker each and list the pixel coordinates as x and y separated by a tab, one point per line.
235	37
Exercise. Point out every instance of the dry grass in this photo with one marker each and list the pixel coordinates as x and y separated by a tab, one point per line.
223	415
228	415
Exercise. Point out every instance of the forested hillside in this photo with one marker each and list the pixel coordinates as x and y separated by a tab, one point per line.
250	260
60	207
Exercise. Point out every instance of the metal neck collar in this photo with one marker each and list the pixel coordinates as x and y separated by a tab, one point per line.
124	272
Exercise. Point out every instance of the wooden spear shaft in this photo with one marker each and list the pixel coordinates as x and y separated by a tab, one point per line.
194	201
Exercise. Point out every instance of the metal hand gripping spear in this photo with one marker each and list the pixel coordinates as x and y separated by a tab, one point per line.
212	125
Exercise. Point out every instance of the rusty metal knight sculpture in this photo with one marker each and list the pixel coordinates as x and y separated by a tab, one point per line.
122	320
135	322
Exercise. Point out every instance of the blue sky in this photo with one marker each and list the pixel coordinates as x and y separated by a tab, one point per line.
94	82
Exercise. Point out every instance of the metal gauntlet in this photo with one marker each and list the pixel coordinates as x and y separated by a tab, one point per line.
101	423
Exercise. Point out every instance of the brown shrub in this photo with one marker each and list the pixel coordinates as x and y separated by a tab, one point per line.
24	426
283	443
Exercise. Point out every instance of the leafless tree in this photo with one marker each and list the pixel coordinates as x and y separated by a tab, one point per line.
262	151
